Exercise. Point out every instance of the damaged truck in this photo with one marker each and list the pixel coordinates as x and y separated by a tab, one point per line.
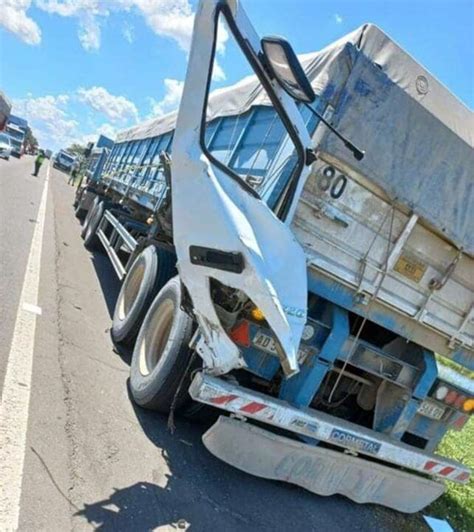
296	251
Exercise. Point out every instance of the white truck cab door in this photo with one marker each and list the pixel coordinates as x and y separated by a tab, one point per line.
222	229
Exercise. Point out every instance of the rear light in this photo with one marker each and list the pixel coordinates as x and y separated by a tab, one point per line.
451	397
241	334
454	398
257	314
441	392
468	405
460	401
460	422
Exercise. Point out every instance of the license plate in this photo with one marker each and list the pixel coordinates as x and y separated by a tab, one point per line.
268	344
431	410
265	342
411	268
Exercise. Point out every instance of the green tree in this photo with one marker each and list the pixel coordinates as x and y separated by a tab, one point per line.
30	139
76	149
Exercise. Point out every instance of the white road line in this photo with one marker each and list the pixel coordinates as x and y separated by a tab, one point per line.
32	308
17	386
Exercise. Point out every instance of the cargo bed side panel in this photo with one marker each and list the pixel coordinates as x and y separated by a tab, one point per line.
364	241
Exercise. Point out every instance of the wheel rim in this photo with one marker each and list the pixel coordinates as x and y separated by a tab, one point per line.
130	290
90	218
159	327
90	212
95	217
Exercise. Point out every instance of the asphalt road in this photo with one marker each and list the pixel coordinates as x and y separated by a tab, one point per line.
92	460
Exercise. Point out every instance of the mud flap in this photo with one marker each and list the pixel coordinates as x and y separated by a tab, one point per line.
319	470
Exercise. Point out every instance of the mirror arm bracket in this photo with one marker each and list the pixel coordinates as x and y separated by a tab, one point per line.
264	62
310	156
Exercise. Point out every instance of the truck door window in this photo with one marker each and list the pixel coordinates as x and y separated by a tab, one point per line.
243	130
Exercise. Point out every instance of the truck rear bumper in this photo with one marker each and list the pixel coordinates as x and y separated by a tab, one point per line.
323	427
319	470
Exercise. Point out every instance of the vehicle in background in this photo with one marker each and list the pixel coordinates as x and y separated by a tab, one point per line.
5	109
5	146
17	139
275	271
22	124
95	158
64	161
19	122
48	154
31	150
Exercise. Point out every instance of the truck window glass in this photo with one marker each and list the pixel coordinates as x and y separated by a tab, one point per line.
252	143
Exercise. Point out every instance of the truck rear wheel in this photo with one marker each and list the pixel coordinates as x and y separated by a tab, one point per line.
77	197
91	240
150	271
89	215
78	210
161	354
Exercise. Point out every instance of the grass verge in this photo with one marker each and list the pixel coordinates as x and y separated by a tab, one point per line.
457	504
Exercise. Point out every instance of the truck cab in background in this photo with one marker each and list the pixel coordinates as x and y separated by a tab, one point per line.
64	161
96	157
17	139
89	186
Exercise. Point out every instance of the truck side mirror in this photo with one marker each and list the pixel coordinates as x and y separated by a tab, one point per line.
286	68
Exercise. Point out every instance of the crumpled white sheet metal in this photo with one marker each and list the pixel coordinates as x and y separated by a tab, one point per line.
211	210
418	137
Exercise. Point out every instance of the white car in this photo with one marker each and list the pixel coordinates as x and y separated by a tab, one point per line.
5	146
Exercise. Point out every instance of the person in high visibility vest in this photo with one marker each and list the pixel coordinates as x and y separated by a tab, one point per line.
38	162
73	174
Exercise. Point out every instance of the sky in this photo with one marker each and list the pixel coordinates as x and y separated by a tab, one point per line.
77	68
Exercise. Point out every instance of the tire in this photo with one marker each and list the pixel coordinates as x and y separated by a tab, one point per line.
161	353
78	210
77	197
91	240
89	215
150	271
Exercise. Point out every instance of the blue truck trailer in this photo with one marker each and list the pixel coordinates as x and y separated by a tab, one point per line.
306	287
95	158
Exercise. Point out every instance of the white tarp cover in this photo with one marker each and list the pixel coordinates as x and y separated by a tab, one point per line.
417	136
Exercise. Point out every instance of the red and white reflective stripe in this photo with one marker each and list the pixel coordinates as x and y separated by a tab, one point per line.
253	407
321	426
463	477
247	407
443	470
224	399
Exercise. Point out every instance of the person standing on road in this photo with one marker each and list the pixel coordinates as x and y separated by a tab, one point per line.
38	162
73	174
